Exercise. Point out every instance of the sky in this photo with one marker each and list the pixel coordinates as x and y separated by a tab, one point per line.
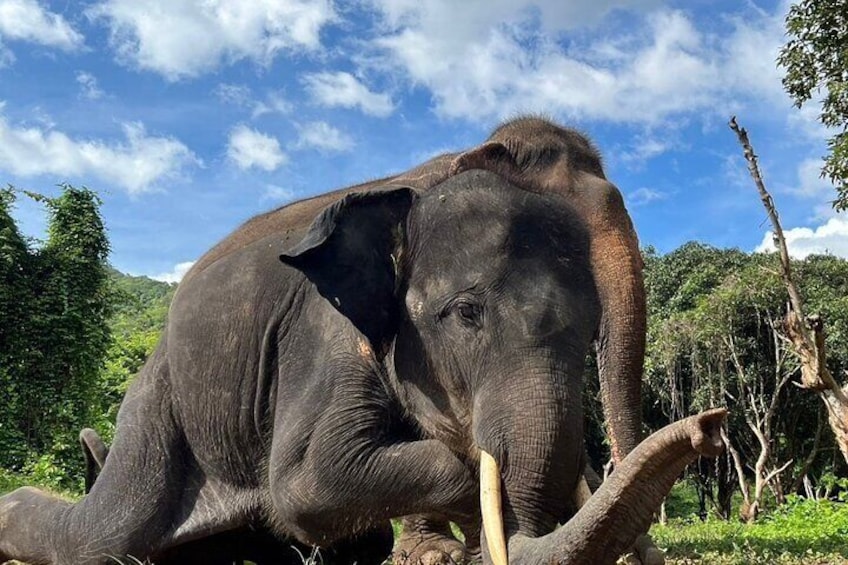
190	116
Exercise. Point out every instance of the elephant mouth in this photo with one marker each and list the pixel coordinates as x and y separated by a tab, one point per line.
617	513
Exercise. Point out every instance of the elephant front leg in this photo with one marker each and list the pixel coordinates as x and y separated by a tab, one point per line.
427	541
340	493
335	474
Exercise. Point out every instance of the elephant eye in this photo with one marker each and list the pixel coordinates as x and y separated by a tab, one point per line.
469	313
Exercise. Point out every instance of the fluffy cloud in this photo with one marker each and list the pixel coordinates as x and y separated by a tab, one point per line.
88	86
136	165
248	148
323	136
810	182
344	90
185	38
831	237
27	20
644	195
176	274
493	59
241	95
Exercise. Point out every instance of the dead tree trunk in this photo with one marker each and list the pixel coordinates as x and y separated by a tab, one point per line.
805	334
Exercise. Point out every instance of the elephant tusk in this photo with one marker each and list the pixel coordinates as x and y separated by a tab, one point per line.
492	511
583	494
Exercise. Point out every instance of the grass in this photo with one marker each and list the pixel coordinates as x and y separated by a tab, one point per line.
800	532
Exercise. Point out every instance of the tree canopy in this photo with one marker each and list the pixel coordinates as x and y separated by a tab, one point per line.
816	61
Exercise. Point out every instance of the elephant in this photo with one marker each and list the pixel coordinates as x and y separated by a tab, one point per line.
547	158
277	389
251	543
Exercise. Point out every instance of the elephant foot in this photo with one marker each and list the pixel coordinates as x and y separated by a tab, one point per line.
644	552
421	544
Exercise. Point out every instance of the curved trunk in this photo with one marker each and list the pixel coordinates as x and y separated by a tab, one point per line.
622	508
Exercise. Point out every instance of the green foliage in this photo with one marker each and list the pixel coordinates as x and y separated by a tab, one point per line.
57	301
801	531
816	59
711	343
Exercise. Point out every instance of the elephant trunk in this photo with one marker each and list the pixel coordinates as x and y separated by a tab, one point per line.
608	524
528	453
617	267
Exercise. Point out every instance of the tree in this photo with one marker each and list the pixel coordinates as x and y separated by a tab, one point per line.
805	334
816	59
712	342
16	350
55	301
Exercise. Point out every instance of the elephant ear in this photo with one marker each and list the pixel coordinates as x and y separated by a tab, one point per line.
350	254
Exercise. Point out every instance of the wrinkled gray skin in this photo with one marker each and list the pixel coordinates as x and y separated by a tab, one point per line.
266	398
269	397
250	543
543	157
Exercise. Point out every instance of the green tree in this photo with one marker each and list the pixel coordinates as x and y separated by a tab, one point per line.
816	59
712	342
16	347
55	303
73	298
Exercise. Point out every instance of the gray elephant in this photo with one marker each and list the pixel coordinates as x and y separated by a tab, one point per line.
542	157
277	392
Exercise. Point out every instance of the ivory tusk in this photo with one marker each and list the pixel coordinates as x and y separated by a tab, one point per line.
492	511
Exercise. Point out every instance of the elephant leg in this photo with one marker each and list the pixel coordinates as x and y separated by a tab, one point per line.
128	510
142	502
428	541
342	475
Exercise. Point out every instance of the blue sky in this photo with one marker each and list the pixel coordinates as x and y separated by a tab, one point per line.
189	117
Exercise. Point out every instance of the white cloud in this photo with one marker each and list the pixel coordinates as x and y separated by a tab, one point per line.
248	148
186	38
344	90
242	96
136	165
322	135
234	94
88	86
28	20
645	195
831	238
274	103
645	148
176	274
6	56
277	193
810	182
805	120
493	59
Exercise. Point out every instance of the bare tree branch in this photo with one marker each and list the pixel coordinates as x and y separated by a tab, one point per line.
806	334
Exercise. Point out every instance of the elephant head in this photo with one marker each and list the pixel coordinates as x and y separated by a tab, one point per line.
484	296
544	157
